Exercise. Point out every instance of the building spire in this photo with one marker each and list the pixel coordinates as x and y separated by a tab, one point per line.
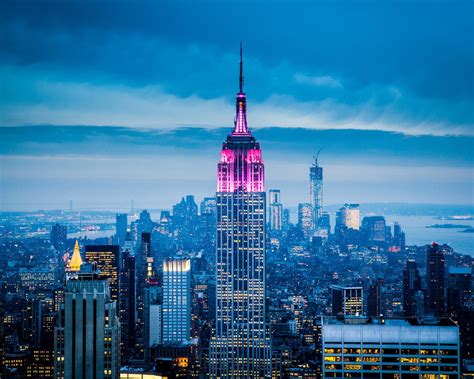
241	78
240	121
76	260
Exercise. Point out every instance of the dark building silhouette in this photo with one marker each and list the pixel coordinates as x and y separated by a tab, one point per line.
58	236
127	311
435	266
374	301
459	298
459	291
142	225
141	274
185	222
374	230
121	223
465	319
411	285
398	236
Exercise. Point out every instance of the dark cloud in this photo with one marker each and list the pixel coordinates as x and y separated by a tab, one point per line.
423	49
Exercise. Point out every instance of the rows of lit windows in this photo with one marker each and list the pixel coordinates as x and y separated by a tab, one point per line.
391	351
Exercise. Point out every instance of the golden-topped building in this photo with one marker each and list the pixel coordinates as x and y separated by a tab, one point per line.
75	262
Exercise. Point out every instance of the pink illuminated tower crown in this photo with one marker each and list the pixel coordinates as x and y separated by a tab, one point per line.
241	166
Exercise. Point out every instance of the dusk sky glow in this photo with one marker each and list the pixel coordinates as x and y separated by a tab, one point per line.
105	102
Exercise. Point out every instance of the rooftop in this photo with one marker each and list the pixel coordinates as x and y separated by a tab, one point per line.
426	321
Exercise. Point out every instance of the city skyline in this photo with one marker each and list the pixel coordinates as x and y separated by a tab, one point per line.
61	127
327	232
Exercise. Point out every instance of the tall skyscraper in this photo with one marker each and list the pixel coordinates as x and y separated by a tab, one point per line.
106	258
127	307
435	267
121	223
411	285
316	192
176	300
58	236
141	275
87	338
305	218
240	346
276	210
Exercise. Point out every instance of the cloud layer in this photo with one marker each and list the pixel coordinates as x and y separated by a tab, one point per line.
334	65
45	166
102	102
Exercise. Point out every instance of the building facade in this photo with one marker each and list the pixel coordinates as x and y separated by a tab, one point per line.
411	285
127	309
305	219
435	272
87	342
374	229
106	258
240	346
347	300
460	289
176	300
144	252
348	216
390	348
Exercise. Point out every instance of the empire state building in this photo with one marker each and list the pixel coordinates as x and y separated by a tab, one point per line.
240	347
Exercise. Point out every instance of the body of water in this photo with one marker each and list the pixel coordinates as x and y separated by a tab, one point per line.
417	233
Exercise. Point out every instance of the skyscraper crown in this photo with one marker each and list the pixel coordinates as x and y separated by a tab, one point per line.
241	165
76	260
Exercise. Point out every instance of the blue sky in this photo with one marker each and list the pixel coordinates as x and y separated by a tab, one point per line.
136	97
